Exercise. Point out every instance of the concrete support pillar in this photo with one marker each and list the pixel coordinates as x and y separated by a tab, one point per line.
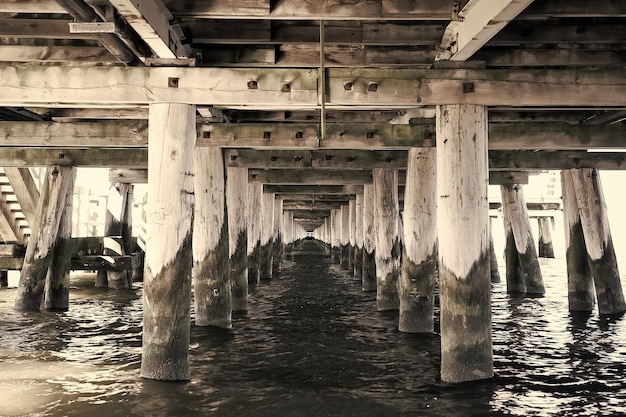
266	232
368	277
57	288
516	214
419	261
39	252
277	238
358	237
546	250
211	269
463	229
236	198
255	194
352	233
168	264
598	241
117	228
386	213
580	291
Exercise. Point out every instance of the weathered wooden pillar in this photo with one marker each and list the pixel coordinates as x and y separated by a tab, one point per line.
39	252
495	273
463	230
514	277
419	261
57	288
328	234
358	237
288	235
335	233
546	250
211	268
236	198
117	233
598	241
368	276
344	224
255	194
4	278
580	290
386	213
168	265
514	206
267	230
351	234
277	238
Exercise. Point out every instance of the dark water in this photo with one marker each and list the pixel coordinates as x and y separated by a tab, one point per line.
312	344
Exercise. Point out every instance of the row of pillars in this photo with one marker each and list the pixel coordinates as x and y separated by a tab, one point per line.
196	227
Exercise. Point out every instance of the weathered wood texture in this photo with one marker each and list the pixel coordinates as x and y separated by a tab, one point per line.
117	226
57	287
168	263
358	237
115	86
580	283
368	279
546	249
388	245
38	255
463	227
344	239
277	245
255	193
352	235
236	199
514	204
419	259
267	230
598	241
211	268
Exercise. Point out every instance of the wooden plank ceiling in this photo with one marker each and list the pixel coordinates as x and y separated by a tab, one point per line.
379	56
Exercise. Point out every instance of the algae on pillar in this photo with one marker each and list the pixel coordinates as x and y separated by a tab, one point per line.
546	250
168	264
419	260
211	268
514	207
388	247
598	241
30	290
368	275
253	209
580	290
463	230
236	198
266	233
57	289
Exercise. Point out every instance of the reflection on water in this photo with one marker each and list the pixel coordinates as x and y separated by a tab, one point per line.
312	344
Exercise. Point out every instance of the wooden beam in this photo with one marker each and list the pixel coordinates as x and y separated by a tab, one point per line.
120	133
314	189
40	28
363	136
505	57
478	21
511	160
508	177
31	6
151	19
132	176
106	158
309	205
312	10
332	159
381	89
323	198
74	55
310	176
